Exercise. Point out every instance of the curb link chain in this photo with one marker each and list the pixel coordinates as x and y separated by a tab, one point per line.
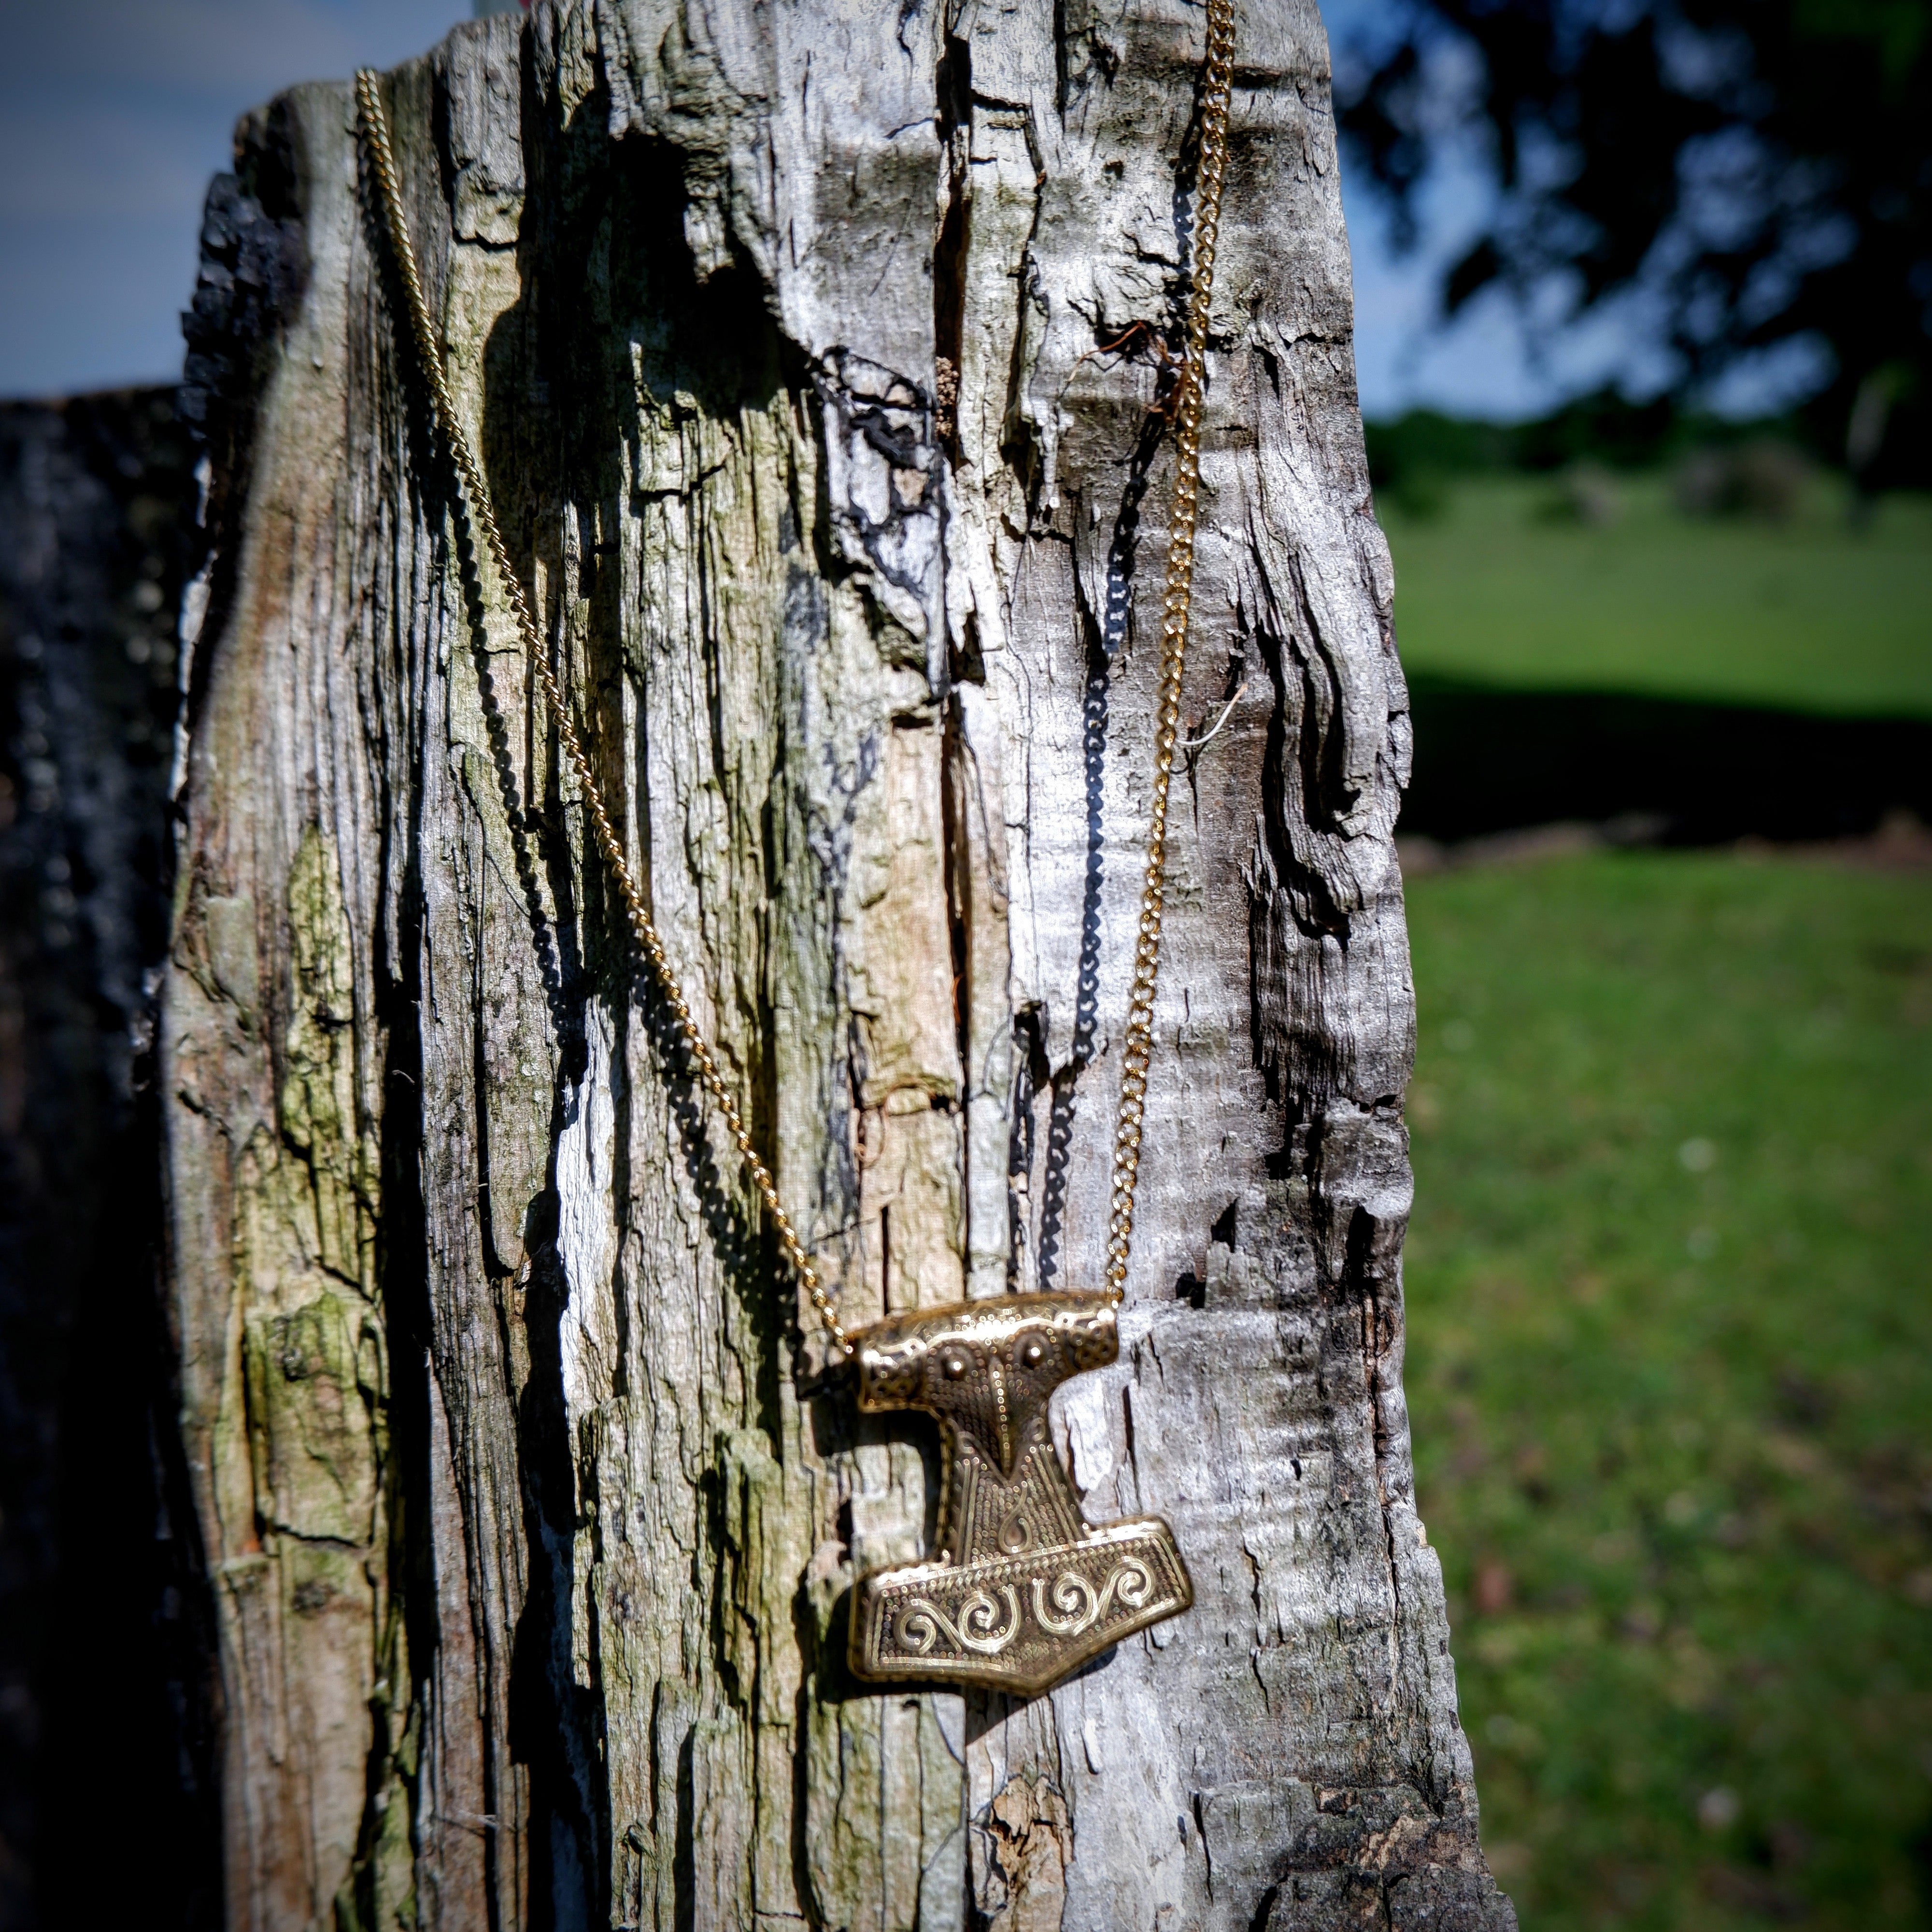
1137	1056
1138	1047
369	98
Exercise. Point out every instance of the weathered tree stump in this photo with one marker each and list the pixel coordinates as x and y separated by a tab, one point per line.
784	332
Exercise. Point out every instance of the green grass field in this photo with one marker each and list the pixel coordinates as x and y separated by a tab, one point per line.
1808	614
1670	1367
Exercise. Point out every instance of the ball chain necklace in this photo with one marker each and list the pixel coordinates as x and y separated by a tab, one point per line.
1021	1589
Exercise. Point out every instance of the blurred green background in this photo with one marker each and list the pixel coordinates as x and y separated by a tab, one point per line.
1670	1339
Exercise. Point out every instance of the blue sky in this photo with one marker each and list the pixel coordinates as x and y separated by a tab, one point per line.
114	113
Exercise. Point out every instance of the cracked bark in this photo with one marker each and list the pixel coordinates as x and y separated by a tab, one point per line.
781	331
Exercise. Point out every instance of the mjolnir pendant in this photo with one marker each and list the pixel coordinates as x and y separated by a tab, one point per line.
1023	1588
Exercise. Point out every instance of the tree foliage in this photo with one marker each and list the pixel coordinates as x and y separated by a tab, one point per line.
1757	172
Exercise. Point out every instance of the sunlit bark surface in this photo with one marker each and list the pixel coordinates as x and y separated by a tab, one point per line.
784	329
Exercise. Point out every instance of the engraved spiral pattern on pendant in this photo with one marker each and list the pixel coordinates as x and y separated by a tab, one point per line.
1076	1606
922	1623
1015	1530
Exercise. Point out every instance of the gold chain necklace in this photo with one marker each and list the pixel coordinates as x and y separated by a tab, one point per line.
1021	1589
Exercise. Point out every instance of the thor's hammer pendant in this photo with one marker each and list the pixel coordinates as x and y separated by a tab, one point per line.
1023	1588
